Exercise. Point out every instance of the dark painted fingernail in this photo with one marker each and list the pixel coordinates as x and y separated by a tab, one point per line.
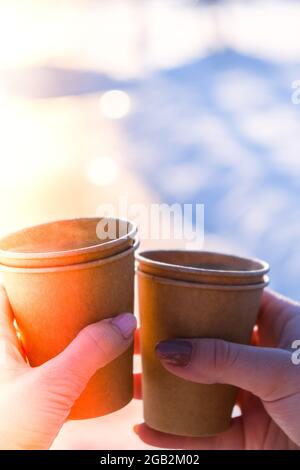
175	353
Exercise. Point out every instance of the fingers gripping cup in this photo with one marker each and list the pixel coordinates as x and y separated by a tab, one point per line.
190	295
75	280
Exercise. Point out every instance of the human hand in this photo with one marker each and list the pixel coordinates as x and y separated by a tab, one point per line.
36	401
270	381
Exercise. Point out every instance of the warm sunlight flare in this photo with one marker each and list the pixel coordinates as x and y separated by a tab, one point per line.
23	151
102	171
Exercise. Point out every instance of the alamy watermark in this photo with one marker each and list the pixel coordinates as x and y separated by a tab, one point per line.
296	353
296	93
184	222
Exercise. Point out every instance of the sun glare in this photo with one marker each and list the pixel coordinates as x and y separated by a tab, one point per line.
102	171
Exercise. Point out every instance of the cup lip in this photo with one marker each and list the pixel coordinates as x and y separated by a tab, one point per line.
19	255
71	267
200	285
142	258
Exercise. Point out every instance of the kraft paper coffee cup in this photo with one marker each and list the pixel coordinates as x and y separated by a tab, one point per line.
202	266
170	308
51	305
66	242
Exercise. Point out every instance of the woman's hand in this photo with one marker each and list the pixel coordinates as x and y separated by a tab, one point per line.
35	402
268	374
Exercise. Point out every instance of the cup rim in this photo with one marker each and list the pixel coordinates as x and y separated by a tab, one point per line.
164	266
200	285
19	255
71	267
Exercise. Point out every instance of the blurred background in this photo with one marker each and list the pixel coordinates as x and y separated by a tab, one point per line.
175	101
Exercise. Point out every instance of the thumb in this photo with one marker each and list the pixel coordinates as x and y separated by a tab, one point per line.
93	348
266	372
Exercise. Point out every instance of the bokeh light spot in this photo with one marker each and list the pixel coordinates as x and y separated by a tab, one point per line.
114	104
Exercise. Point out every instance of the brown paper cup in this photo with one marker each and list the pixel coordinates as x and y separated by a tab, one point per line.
175	309
202	266
66	242
52	305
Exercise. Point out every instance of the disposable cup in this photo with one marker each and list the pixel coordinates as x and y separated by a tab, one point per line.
171	308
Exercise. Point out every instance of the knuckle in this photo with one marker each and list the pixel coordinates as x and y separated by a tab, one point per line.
220	354
223	356
101	340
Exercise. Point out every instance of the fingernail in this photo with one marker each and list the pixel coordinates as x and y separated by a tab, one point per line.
125	323
175	353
